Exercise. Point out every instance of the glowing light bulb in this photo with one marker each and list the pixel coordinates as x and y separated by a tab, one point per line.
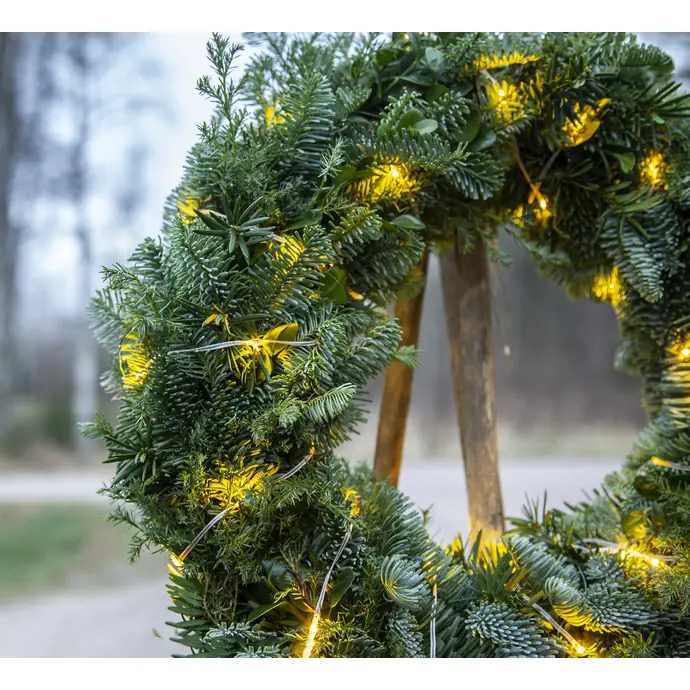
580	649
311	637
653	169
543	204
388	179
134	363
255	344
585	123
607	287
654	562
175	565
680	348
507	100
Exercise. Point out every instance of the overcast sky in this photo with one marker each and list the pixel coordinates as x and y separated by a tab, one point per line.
49	261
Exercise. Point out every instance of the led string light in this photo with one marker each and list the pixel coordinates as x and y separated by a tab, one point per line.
543	213
581	130
256	343
580	649
390	179
653	170
271	114
496	61
607	287
177	561
681	348
655	560
313	628
134	361
188	205
671	465
505	100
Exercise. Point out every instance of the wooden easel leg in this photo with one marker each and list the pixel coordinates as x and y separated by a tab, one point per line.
397	392
467	301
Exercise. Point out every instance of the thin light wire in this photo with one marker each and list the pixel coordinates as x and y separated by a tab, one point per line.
313	628
295	469
240	343
618	547
202	534
672	465
322	595
192	545
579	648
432	627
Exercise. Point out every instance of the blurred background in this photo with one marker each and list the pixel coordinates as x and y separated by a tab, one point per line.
94	128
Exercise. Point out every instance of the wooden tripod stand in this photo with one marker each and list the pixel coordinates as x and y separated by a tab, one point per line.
467	304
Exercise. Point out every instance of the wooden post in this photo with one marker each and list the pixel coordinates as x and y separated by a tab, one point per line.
397	392
467	301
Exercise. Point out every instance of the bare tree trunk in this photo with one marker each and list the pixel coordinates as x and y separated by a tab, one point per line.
397	392
9	135
85	371
467	301
85	353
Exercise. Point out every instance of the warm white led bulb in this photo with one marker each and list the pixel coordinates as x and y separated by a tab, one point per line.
311	636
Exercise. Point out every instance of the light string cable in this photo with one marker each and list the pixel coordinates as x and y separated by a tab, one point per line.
535	187
202	534
296	468
580	649
256	343
654	559
192	545
311	637
432	625
671	465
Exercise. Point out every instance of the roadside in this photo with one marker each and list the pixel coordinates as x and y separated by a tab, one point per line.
116	613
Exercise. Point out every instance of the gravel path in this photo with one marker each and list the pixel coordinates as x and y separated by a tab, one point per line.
119	622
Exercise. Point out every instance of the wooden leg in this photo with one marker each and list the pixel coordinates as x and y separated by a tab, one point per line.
467	301
397	392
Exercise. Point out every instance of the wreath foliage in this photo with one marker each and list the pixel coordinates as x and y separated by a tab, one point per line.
242	340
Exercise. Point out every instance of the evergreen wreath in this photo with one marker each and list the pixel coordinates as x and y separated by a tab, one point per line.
242	338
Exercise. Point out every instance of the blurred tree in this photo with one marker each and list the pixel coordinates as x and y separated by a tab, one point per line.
677	44
83	63
9	131
72	111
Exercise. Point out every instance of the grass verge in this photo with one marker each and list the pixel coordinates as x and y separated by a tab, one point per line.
54	546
